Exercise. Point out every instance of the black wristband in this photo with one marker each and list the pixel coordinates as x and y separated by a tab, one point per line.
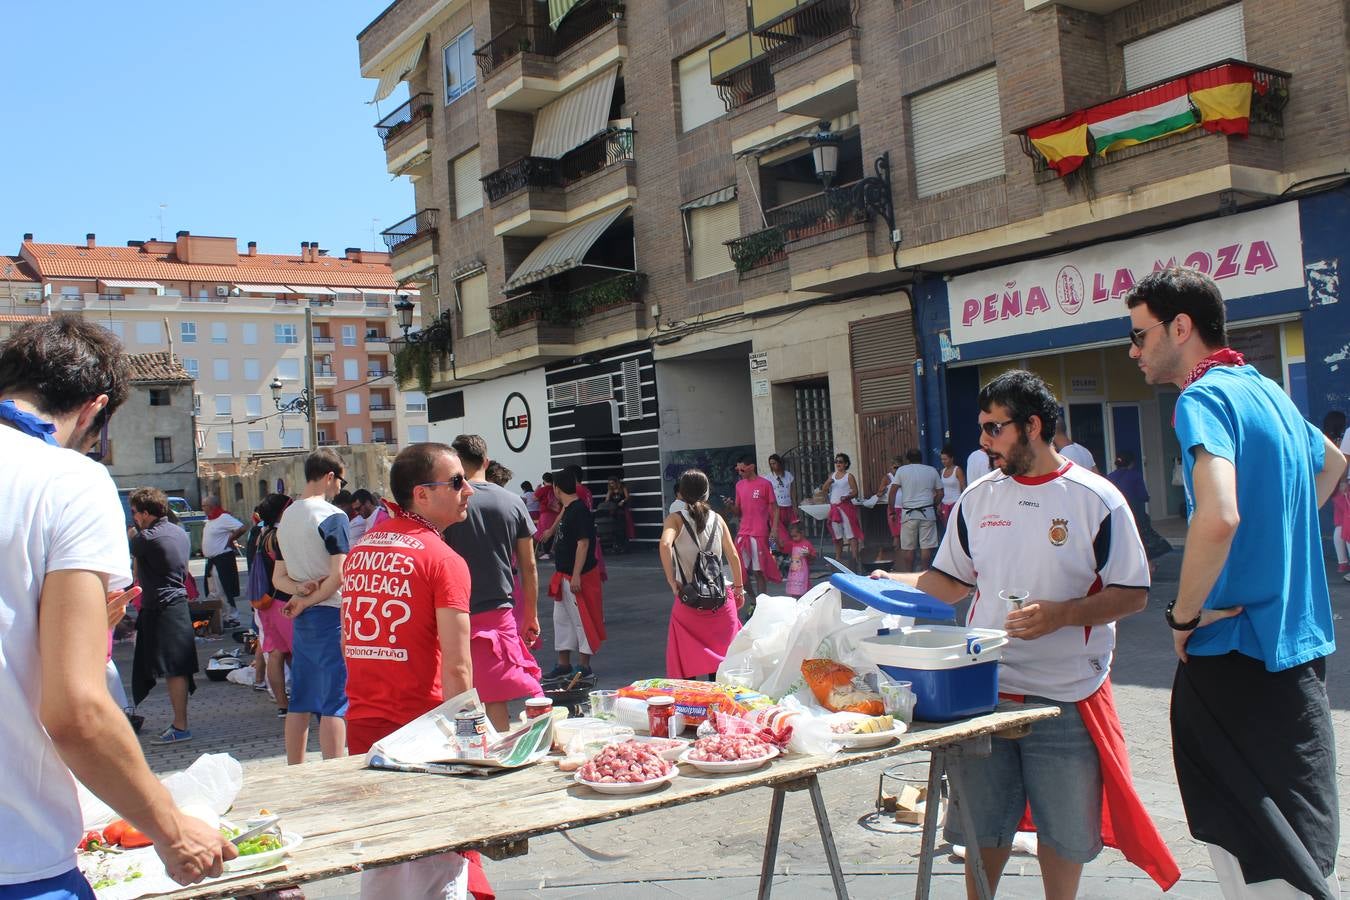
1180	626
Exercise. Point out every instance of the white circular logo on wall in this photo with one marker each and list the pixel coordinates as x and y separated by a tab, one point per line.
1069	289
516	421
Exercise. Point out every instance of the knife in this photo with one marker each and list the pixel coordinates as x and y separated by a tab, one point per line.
255	830
838	565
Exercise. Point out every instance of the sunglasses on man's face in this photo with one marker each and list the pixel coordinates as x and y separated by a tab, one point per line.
1137	334
994	429
455	483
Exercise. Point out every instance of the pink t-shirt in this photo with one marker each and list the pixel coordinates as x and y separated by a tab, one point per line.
755	498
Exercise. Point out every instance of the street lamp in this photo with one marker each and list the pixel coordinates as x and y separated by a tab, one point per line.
300	404
825	153
871	194
404	308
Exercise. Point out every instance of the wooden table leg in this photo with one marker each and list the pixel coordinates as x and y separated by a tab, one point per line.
973	858
937	763
827	838
771	843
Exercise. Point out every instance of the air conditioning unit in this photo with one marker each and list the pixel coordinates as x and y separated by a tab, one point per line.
222	291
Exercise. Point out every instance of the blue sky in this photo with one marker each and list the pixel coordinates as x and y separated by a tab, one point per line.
247	118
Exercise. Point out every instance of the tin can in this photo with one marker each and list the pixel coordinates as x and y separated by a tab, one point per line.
659	713
471	734
538	706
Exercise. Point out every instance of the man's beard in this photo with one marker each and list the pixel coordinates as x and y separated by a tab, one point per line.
1020	460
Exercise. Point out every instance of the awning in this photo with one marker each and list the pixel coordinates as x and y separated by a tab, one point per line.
396	70
310	289
562	250
134	285
843	123
575	117
558	10
264	289
716	197
379	292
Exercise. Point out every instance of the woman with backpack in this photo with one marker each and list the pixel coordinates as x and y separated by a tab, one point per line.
697	552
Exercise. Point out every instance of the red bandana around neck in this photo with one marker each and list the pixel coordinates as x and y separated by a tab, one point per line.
219	511
399	511
1226	356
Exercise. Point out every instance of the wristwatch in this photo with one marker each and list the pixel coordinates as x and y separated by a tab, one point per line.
1180	626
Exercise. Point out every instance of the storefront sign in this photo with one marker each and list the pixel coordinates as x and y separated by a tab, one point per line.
1084	384
1246	254
516	421
759	363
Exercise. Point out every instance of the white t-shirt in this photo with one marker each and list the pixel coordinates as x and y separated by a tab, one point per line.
917	484
356	528
1345	442
1040	535
311	532
60	512
216	534
899	500
977	466
782	487
1079	454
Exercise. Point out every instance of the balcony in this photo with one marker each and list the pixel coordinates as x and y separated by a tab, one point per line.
412	243
378	373
569	308
814	55
325	412
537	172
831	210
381	410
1062	146
526	66
324	340
406	135
374	337
324	376
739	68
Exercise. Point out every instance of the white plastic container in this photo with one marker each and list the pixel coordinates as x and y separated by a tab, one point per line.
953	669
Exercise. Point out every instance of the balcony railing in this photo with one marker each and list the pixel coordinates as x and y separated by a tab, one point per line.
541	40
419	224
602	151
381	406
324	372
321	406
323	339
785	26
417	108
739	69
376	373
1270	95
761	248
570	307
375	338
830	210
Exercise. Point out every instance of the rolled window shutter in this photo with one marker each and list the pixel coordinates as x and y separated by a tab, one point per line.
957	133
699	101
709	228
468	188
1203	40
473	303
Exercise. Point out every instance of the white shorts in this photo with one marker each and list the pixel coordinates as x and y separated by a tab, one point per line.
568	633
918	531
843	530
444	876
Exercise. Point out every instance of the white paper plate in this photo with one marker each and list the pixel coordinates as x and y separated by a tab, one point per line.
871	741
628	787
671	755
289	841
726	768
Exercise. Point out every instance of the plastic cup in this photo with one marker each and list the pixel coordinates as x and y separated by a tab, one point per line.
1014	599
899	700
741	677
603	703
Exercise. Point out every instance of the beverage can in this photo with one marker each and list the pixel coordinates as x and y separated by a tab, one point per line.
471	734
538	706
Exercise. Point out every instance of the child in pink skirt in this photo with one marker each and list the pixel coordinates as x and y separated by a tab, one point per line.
799	570
1340	514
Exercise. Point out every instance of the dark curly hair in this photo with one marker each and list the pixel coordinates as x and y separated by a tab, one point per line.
64	362
1023	394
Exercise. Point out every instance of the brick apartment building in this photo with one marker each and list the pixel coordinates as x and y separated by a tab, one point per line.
622	225
237	322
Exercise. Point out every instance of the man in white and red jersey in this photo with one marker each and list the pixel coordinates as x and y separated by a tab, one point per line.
756	506
405	617
1041	526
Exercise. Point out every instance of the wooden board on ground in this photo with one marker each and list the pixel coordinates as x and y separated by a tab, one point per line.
353	818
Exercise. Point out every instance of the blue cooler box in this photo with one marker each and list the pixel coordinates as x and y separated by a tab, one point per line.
953	669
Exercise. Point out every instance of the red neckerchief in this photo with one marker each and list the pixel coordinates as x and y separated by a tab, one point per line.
220	511
1226	356
399	512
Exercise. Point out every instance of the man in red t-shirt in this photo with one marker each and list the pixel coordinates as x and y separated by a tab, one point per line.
756	506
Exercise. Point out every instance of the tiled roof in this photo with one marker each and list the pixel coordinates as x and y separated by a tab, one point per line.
158	366
13	268
79	261
19	320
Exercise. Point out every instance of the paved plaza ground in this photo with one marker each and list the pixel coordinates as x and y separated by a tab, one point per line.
713	848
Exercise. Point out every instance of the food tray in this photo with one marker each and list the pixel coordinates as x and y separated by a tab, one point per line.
628	787
728	767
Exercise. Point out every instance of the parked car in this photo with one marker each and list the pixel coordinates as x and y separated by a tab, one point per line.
191	519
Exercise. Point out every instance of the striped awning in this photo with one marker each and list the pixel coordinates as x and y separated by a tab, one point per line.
397	70
558	10
264	289
311	289
716	197
562	250
575	117
134	285
843	123
379	292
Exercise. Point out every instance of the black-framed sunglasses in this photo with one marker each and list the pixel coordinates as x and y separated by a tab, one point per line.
994	429
456	483
1137	334
342	482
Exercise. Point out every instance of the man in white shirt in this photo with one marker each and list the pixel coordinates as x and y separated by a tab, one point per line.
1065	538
64	536
1073	451
977	465
363	507
917	490
219	533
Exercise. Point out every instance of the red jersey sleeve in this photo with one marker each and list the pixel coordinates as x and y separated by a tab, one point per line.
450	582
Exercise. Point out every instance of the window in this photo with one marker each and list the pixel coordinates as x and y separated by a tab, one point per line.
224	443
220	333
255	440
163	450
70	293
460	70
1198	42
223	405
322	435
187	332
288	369
253	405
709	227
957	133
293	439
349	335
417	434
196	404
117	328
414	401
285	334
220	369
473	303
190	365
350	370
699	102
159	396
465	172
377	435
354	435
252	371
149	333
353	403
250	330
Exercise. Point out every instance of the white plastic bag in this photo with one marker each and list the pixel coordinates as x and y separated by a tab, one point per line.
780	634
212	782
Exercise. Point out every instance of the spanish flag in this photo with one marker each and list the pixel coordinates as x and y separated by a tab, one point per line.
1063	142
1223	95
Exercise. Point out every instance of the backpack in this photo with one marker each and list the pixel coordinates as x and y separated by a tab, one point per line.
704	588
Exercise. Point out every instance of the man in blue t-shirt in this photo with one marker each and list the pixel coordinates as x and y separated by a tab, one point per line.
1251	727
